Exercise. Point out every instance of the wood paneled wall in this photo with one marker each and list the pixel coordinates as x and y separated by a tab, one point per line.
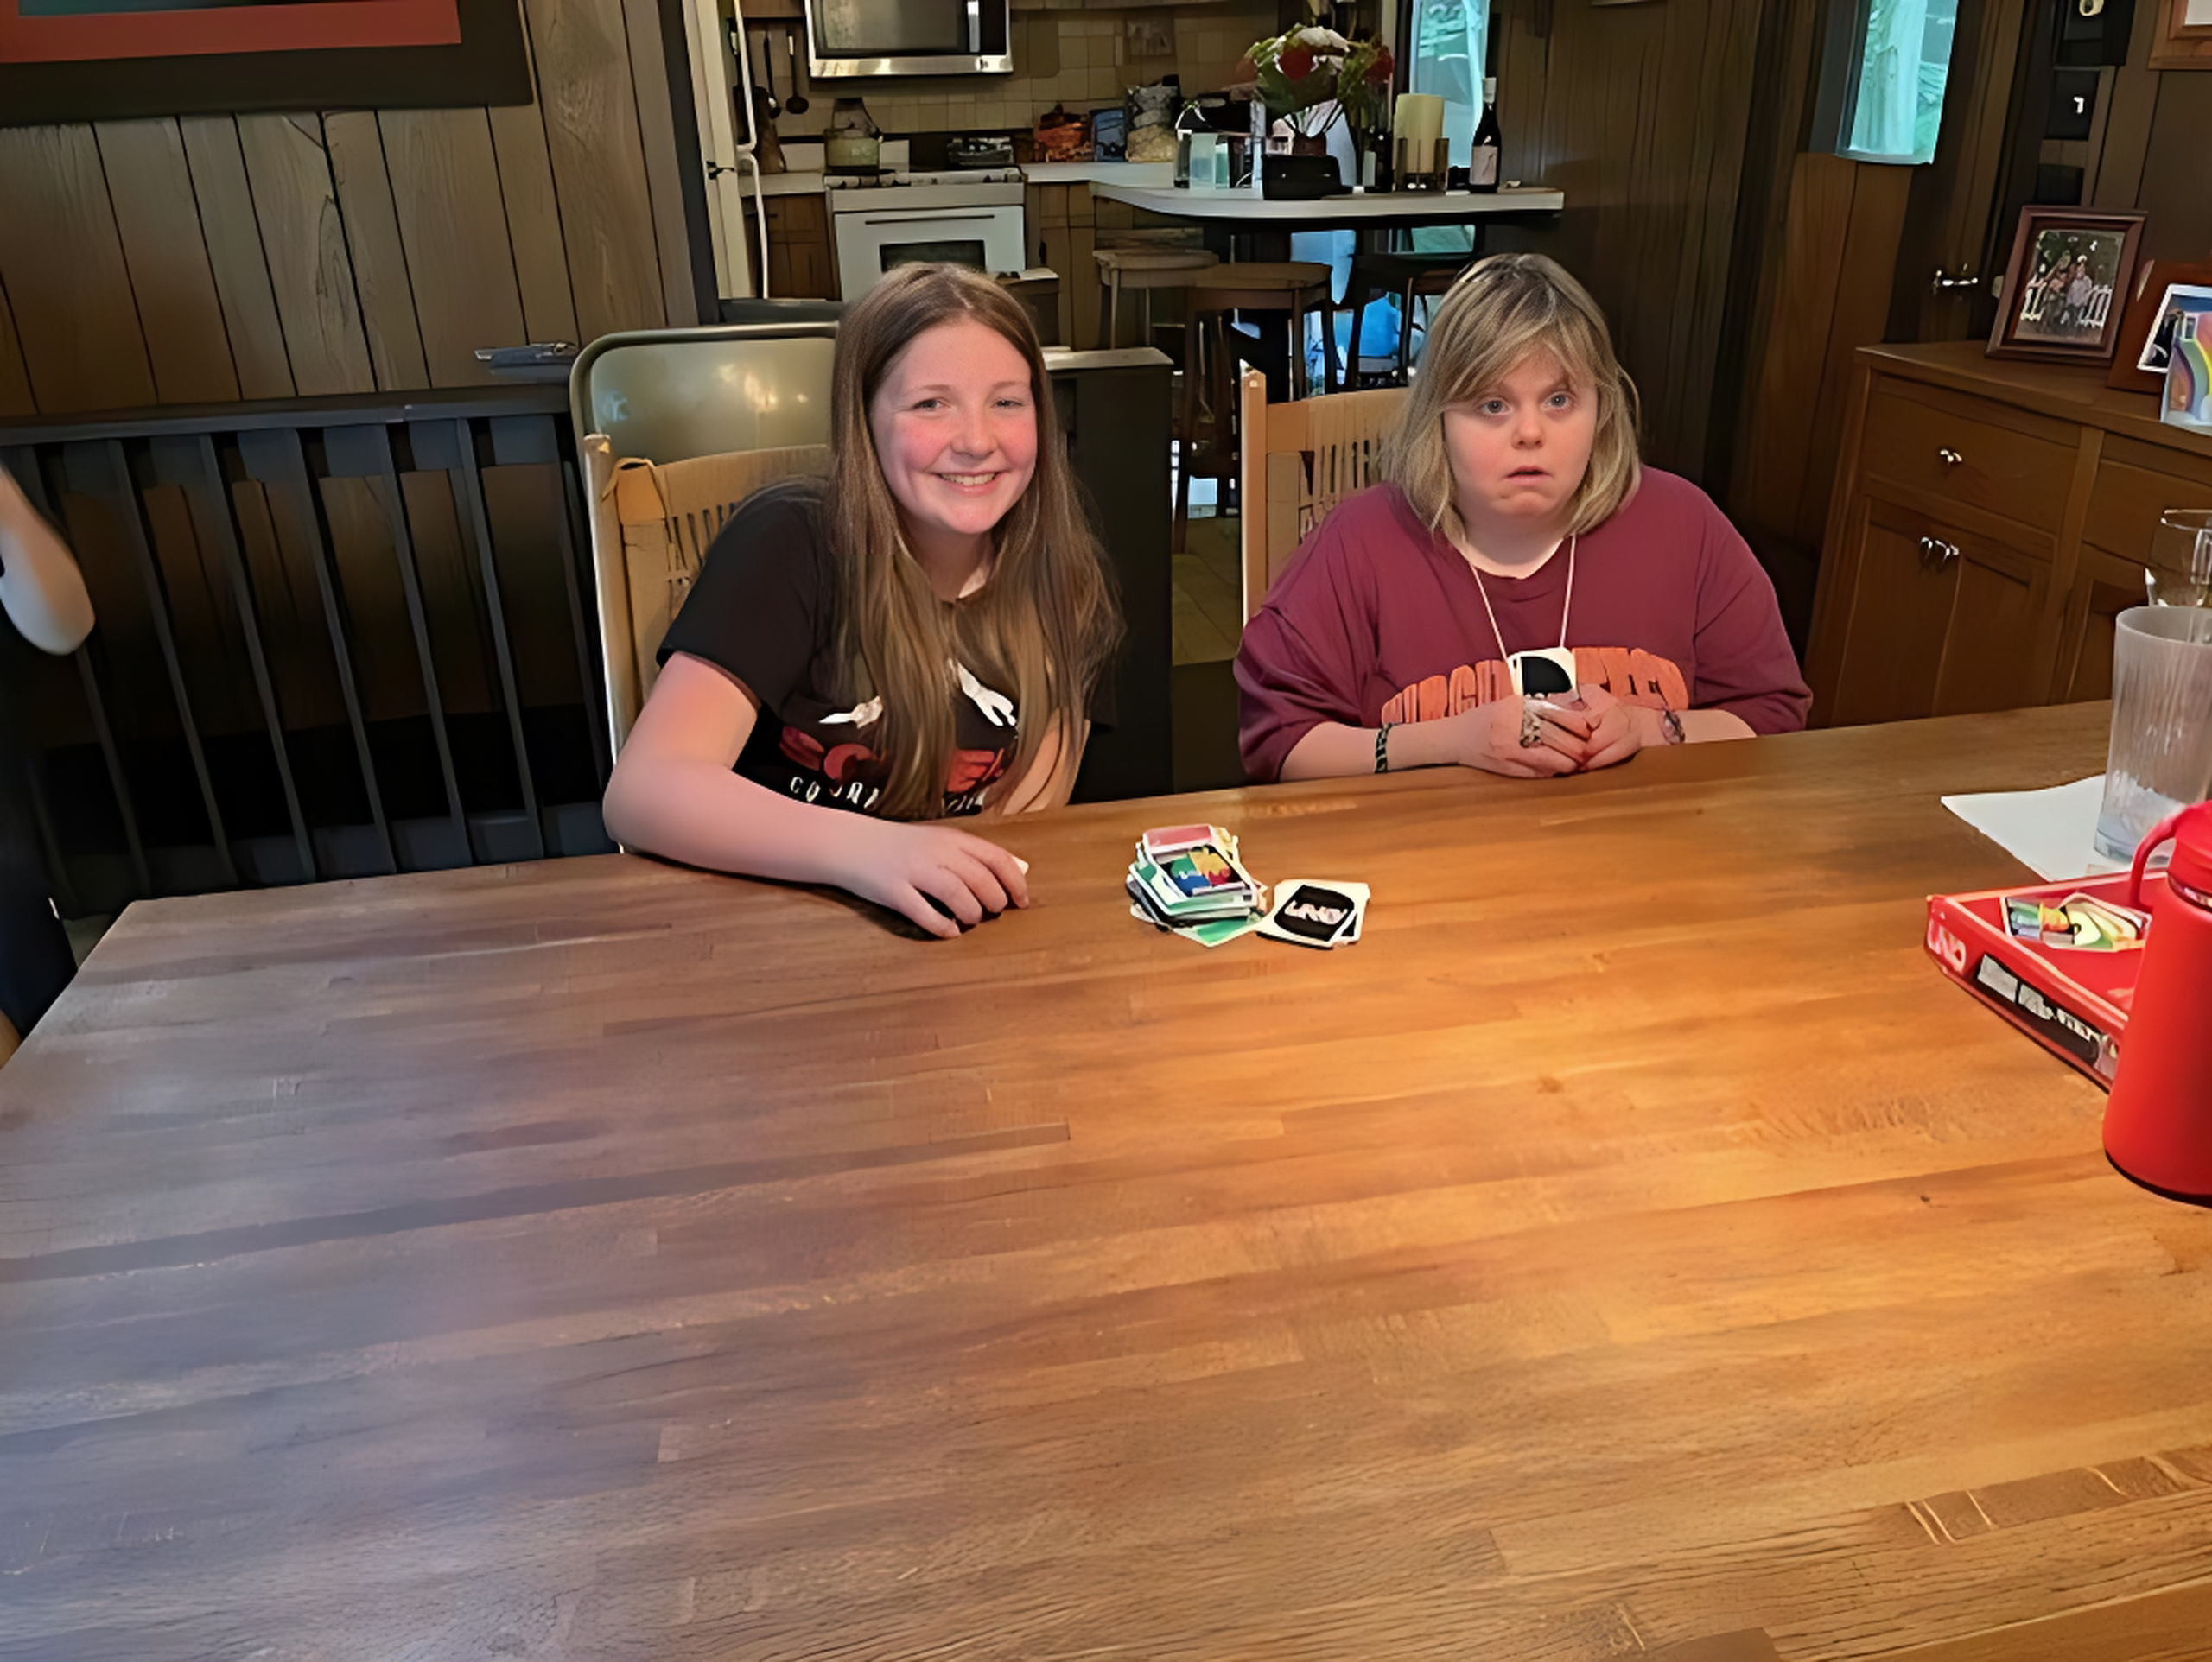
1639	114
2156	135
1848	249
1840	248
206	259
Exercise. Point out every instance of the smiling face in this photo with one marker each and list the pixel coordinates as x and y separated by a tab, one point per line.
1519	449
955	425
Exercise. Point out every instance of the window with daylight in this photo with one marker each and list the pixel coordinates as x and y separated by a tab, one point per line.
1891	93
1451	41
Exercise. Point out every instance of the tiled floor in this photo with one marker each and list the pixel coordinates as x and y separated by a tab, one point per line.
1207	623
1209	616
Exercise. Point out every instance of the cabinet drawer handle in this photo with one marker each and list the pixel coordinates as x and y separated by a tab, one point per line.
1948	456
1934	551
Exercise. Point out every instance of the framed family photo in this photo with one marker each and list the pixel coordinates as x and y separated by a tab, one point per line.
2066	286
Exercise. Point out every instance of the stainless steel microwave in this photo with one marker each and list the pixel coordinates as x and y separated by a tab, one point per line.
908	37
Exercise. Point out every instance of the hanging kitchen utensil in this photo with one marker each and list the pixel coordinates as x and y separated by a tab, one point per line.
768	74
768	150
798	100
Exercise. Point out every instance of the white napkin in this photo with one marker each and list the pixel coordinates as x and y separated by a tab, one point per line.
2050	831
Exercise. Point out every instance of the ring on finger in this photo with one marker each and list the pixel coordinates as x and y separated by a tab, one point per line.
1532	728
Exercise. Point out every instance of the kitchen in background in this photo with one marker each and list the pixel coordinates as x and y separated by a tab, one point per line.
1074	58
780	234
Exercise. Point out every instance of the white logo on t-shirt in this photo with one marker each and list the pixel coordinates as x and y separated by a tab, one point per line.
997	707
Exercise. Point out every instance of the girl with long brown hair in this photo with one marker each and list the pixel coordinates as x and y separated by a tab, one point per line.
924	634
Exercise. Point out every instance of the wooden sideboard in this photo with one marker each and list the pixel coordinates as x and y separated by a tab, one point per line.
1989	519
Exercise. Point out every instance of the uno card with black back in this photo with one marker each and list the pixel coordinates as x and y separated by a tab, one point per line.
1313	914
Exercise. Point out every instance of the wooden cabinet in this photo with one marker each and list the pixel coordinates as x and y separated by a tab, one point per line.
800	265
2104	587
2004	462
1942	615
1989	521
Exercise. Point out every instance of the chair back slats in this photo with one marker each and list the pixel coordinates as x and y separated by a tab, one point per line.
1299	460
617	662
666	515
1343	435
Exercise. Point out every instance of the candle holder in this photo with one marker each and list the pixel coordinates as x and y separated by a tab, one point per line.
1419	164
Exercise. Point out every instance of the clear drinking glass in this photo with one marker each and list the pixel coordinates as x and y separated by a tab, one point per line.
2180	572
2160	757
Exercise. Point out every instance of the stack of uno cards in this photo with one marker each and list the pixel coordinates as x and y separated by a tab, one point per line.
2080	920
1188	878
1315	912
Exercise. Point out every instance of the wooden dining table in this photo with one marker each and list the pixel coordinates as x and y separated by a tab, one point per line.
1632	1246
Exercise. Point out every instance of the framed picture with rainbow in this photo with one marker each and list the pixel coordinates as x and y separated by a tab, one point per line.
2187	401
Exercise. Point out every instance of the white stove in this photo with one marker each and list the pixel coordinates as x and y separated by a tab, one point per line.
967	216
900	179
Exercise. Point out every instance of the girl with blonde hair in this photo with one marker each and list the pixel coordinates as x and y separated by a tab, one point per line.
924	634
1522	595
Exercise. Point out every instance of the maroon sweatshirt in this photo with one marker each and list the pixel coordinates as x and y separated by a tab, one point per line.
1378	618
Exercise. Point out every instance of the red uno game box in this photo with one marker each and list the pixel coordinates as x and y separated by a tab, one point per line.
2058	960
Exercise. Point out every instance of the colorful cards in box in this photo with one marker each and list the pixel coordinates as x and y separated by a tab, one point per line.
2081	922
2058	960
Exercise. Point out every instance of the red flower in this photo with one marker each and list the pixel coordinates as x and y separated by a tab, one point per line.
1378	72
1297	63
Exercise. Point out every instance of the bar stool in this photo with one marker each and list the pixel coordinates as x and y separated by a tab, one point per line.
1407	275
1141	270
1288	289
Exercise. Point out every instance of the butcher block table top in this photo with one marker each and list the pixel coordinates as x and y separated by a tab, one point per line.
1632	1246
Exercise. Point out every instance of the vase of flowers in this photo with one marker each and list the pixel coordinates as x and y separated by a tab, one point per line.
1310	77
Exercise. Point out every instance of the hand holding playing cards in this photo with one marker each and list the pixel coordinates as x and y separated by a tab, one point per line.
1518	737
906	868
1617	730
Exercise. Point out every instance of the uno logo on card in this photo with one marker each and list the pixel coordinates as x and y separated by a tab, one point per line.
1314	914
1946	946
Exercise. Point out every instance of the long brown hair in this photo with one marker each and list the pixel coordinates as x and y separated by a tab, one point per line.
1045	623
1499	311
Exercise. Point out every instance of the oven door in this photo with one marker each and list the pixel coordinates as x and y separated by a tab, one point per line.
871	241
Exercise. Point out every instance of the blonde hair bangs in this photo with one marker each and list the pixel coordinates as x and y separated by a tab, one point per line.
1501	310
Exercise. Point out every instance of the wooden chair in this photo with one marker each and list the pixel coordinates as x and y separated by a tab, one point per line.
651	526
1407	275
1297	461
1288	289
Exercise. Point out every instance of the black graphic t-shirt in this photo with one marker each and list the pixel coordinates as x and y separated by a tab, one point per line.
764	607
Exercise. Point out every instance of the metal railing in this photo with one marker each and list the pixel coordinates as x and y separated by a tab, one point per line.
337	637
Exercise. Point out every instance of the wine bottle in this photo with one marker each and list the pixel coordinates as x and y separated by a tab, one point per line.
1481	168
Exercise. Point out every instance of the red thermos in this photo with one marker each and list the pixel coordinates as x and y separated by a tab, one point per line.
2158	1119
